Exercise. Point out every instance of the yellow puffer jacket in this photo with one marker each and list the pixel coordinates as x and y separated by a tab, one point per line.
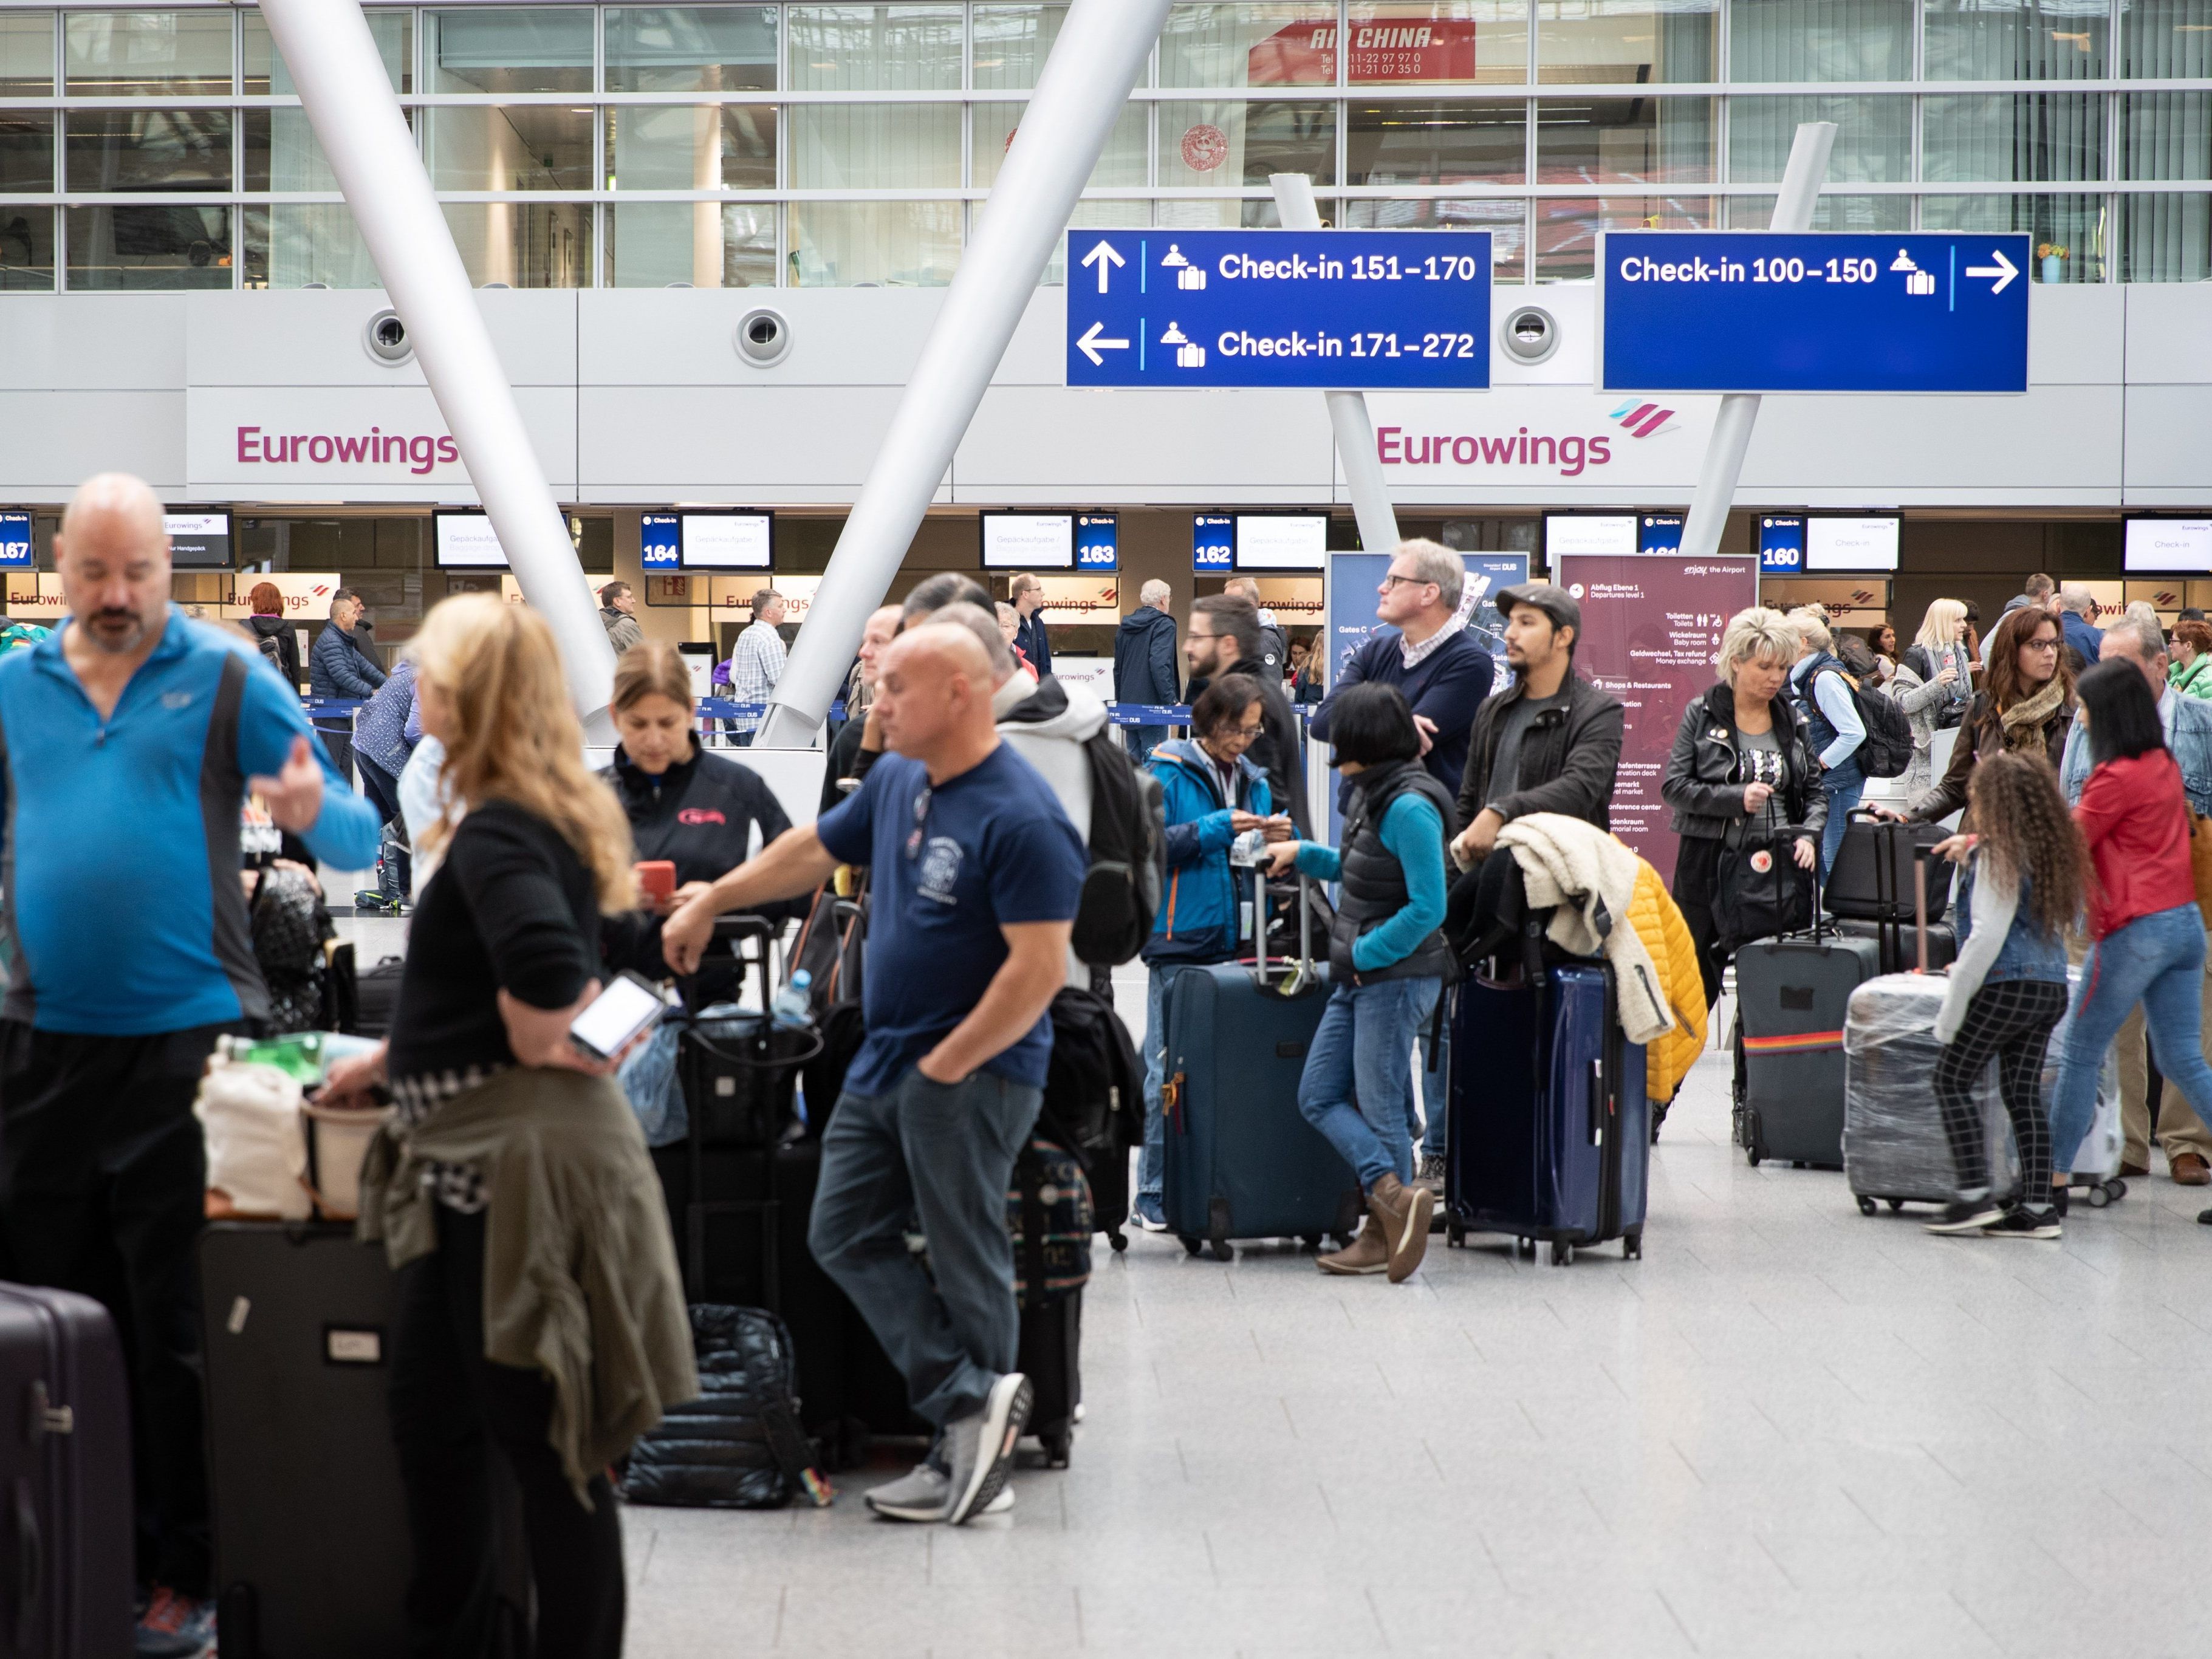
1658	923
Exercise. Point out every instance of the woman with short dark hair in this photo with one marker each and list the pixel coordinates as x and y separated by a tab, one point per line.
1388	965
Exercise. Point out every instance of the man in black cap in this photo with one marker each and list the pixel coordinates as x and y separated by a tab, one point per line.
1550	741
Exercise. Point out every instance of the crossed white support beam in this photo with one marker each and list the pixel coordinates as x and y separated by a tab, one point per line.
355	115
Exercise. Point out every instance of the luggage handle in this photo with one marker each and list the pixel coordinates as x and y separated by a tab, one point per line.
1301	973
1920	899
1597	1102
1786	837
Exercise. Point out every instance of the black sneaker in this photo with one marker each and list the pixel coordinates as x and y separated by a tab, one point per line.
1968	1218
2024	1223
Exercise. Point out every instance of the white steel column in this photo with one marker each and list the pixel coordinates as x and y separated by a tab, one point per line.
355	116
1100	52
1724	451
1347	410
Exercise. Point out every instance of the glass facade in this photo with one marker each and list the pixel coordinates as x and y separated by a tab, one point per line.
845	144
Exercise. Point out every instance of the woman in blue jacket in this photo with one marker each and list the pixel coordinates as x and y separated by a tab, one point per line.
1213	794
1387	964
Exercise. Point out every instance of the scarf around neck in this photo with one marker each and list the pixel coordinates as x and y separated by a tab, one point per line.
2024	721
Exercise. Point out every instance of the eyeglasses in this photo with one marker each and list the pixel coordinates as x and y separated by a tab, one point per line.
1392	578
2039	644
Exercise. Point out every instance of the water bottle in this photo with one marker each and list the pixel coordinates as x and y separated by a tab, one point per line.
298	1054
792	1009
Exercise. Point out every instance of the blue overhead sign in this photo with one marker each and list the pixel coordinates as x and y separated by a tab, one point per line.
1658	532
1098	542
1212	544
16	549
1762	311
1781	545
659	543
1346	310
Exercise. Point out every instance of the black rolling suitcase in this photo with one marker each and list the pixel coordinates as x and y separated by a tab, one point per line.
1872	878
1048	1211
66	1463
311	1552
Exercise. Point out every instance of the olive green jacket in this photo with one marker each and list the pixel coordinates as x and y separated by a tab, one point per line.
579	1271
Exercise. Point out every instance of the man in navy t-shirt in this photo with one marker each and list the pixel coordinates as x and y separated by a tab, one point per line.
974	874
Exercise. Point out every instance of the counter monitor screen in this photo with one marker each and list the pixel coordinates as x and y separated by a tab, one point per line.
198	541
1605	534
1098	540
1282	541
16	546
466	541
1851	544
1029	541
2169	547
1781	544
729	541
660	544
1212	544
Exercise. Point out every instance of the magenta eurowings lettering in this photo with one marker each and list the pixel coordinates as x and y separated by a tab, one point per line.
418	452
1395	447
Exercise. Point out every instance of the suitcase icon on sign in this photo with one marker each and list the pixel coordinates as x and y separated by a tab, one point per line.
1187	355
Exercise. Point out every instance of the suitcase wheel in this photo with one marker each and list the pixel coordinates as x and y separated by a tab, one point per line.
1224	1250
1057	1445
1631	1245
2100	1195
1310	1241
1751	1156
1562	1253
1525	1247
1193	1246
1896	1204
1454	1235
1866	1204
1118	1239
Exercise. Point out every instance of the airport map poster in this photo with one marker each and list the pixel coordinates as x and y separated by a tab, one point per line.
1651	626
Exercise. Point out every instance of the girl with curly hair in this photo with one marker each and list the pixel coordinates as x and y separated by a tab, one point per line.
2007	989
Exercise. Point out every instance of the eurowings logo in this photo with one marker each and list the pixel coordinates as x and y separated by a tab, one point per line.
1644	420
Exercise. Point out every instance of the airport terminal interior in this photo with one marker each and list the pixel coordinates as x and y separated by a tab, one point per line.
702	374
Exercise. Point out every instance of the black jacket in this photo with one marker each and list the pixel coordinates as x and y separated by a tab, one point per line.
1568	759
1701	782
280	630
1373	888
1144	658
1030	637
1276	751
699	814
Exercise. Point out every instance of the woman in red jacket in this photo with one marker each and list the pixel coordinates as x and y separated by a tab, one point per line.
2149	938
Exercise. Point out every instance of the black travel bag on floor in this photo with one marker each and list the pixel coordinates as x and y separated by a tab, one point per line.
1048	1211
66	1465
311	1550
738	1445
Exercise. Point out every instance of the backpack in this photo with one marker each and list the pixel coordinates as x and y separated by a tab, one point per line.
1094	1092
273	655
1887	750
1128	856
738	1445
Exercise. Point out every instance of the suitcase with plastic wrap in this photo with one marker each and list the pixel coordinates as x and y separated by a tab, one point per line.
1240	1160
1550	1138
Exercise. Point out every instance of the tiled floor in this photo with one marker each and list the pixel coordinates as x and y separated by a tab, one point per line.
1788	1430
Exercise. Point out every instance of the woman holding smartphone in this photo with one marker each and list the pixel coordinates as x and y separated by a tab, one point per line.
541	1319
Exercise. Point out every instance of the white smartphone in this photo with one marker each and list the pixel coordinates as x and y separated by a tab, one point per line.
629	1007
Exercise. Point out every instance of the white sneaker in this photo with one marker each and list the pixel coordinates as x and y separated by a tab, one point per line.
922	1493
981	1445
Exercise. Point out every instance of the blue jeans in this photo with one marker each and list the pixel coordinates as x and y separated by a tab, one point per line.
1843	787
2157	960
1150	1170
1143	739
1358	1086
945	1151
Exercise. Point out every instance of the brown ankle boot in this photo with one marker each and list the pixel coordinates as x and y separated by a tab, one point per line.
1403	1213
1367	1252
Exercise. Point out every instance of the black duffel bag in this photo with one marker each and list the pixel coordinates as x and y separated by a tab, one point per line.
738	1445
1758	892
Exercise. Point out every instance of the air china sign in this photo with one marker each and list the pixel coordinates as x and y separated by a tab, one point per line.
418	453
1400	49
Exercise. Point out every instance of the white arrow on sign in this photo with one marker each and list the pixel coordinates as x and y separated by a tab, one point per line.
1104	257
1091	346
2004	270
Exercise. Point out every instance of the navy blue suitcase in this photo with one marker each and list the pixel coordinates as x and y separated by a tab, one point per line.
1550	1136
1240	1159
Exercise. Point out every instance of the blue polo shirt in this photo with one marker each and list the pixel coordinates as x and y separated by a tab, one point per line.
123	913
948	867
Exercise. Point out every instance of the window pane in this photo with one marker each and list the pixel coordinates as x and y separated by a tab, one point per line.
2069	230
686	147
538	50
1881	214
875	147
148	149
1820	39
874	244
2166	40
1267	44
1011	43
2014	40
148	247
2165	239
901	48
1506	221
2167	135
1623	41
527	147
26	151
1873	138
1120	164
264	72
705	244
1088	216
291	245
26	70
280	152
26	250
144	54
1437	143
691	49
523	244
1437	42
1566	231
2031	137
1238	145
1629	141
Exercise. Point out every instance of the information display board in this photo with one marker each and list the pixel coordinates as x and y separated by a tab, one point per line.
1029	541
16	547
1851	544
659	543
198	540
1281	541
1097	543
2169	547
1212	544
466	541
737	540
1781	544
1651	630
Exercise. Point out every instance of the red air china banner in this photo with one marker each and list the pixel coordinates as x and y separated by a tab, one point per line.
1651	626
1391	49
